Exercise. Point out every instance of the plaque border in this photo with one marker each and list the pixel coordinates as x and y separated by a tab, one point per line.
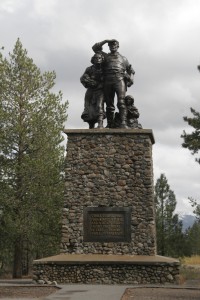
127	225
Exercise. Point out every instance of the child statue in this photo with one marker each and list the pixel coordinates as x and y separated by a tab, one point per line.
132	115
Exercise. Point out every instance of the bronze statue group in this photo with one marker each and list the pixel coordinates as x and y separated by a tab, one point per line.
109	74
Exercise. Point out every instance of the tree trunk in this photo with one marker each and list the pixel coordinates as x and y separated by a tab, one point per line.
17	264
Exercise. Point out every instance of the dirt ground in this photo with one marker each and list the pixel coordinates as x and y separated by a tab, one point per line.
161	294
26	291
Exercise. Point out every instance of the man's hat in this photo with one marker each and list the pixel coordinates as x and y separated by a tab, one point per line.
113	41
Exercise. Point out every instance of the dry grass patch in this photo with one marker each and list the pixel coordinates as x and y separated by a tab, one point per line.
193	260
190	269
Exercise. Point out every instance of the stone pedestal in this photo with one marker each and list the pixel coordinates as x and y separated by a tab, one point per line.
108	226
108	170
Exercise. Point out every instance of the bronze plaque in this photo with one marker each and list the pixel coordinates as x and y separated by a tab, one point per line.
107	224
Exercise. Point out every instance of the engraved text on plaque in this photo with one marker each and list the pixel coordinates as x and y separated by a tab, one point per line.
107	224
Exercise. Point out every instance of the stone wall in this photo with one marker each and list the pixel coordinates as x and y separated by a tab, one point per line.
107	274
109	168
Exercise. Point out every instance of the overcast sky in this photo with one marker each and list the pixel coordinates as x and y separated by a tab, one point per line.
161	40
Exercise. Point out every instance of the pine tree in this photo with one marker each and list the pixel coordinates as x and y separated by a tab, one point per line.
196	207
192	140
193	238
168	226
31	157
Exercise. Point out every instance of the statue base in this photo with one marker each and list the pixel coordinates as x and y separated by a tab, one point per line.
108	224
107	269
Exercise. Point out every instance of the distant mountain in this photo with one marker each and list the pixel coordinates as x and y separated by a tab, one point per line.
188	221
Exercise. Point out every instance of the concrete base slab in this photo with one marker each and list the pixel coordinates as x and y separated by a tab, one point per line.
104	259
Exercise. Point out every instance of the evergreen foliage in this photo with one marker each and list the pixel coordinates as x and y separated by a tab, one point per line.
196	207
170	238
192	234
192	140
31	159
193	239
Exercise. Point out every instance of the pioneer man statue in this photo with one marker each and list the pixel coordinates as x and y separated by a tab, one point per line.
118	75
